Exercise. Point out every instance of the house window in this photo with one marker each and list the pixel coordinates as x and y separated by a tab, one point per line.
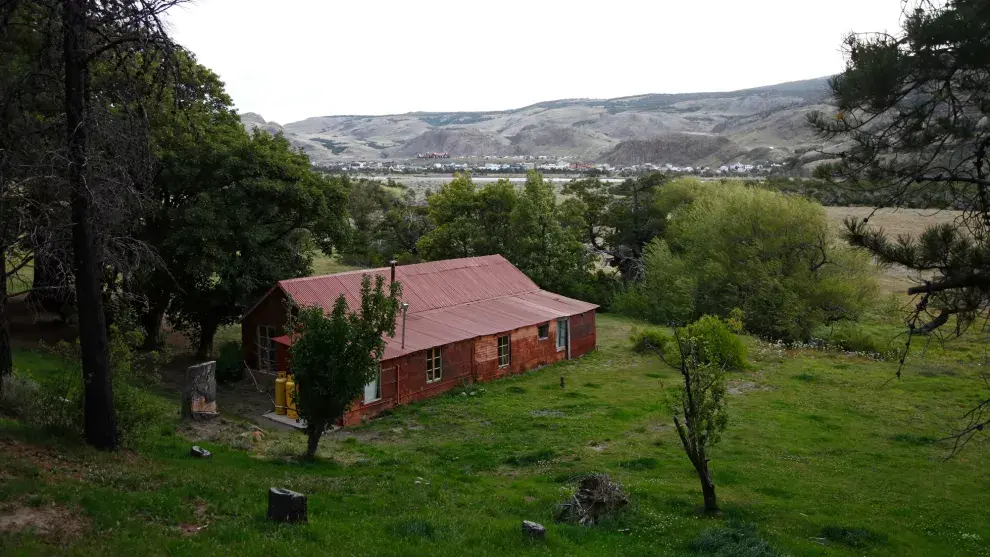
562	331
266	348
434	365
504	351
373	390
543	331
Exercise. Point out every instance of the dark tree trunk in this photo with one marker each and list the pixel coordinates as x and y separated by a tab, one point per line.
6	356
313	435
696	453
152	321
207	332
707	488
99	422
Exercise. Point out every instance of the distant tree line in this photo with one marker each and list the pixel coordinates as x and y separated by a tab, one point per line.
861	193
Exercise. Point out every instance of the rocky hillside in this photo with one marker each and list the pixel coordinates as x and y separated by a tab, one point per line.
765	123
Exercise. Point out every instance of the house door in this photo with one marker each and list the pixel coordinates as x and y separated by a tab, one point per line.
564	336
373	390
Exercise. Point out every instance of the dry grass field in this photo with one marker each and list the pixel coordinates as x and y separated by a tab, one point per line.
895	222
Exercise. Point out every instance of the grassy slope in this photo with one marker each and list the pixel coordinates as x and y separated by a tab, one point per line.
822	442
327	265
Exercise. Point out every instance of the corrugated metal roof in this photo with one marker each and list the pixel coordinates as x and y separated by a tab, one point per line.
449	301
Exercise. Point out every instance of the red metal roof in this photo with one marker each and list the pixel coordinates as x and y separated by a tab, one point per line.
449	301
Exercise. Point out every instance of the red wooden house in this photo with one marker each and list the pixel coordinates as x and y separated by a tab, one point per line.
468	320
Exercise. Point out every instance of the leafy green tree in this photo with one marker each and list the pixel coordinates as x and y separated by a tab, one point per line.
404	222
335	355
255	218
912	113
196	133
667	290
468	221
364	200
770	255
542	248
619	220
496	203
386	224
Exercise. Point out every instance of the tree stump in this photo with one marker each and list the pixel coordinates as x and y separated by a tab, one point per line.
199	398
534	530
285	505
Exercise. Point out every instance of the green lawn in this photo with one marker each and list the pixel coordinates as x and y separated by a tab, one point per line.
817	441
327	265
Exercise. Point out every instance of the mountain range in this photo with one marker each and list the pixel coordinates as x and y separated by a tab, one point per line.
751	125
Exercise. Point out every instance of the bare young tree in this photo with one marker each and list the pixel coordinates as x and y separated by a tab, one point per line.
704	350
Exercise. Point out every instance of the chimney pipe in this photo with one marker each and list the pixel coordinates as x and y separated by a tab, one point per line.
405	307
392	264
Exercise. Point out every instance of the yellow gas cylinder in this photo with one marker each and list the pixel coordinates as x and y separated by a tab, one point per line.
280	393
290	398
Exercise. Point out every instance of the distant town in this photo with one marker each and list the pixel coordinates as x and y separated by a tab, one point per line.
444	163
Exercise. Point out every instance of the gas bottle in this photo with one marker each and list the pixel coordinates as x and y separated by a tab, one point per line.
290	398
280	393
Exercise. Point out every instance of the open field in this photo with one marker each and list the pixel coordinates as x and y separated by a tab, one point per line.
818	442
911	222
895	221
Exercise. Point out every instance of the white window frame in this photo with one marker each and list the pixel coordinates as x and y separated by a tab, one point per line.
378	389
563	323
546	336
267	351
508	350
434	364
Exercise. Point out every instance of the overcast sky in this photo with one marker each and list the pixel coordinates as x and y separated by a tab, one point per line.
292	59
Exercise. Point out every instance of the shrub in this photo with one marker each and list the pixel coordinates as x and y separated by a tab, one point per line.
649	339
230	362
17	395
715	342
734	540
58	404
853	338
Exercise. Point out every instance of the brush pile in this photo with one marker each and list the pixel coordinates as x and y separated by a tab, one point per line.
597	496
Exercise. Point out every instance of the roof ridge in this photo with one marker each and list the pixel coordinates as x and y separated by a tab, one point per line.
353	272
472	302
403	268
